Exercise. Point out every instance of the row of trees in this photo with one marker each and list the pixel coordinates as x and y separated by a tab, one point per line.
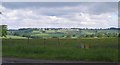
27	33
94	35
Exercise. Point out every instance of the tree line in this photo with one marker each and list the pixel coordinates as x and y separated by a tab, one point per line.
26	32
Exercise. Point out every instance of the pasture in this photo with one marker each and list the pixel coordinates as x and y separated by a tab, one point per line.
97	49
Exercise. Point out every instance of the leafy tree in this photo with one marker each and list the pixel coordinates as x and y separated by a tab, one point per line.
16	34
43	31
100	34
87	35
25	35
92	35
74	35
68	36
111	35
119	35
3	30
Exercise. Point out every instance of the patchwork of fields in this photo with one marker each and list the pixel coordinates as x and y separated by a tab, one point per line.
64	33
97	49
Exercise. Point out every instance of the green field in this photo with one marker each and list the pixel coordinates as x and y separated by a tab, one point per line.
97	49
13	37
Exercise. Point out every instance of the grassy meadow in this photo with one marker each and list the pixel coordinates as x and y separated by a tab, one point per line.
97	49
13	37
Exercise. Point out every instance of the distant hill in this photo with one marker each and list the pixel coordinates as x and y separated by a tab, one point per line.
63	32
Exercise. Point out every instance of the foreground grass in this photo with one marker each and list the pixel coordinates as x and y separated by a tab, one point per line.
66	49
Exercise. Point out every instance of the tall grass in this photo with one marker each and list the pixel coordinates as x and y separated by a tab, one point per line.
62	49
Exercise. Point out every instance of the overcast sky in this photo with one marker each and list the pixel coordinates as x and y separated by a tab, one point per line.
59	14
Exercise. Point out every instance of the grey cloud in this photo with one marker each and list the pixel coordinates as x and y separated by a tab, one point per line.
88	7
99	8
60	0
60	15
15	5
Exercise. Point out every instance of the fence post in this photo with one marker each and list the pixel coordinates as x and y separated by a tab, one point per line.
11	40
87	46
28	40
82	46
77	42
58	42
44	42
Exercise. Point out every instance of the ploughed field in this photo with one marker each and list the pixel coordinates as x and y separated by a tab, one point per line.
89	49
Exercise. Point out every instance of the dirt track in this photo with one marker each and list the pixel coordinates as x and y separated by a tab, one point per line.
19	60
